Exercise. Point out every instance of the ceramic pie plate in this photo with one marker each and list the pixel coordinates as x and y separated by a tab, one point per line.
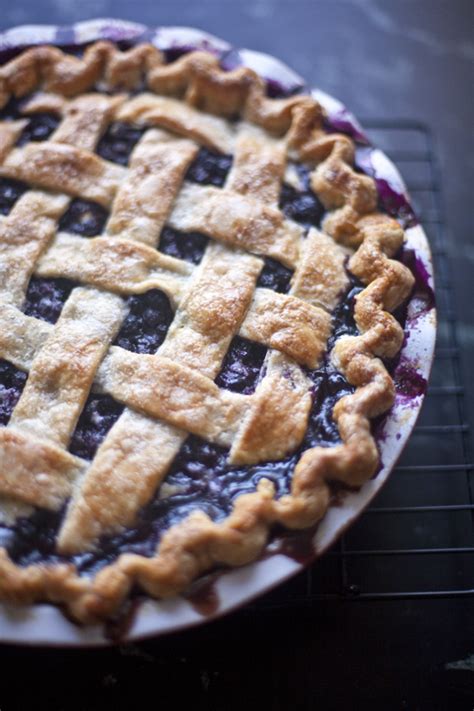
45	624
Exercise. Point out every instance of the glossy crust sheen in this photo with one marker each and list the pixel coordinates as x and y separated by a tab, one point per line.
243	216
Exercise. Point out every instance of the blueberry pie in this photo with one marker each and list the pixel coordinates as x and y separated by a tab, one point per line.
196	287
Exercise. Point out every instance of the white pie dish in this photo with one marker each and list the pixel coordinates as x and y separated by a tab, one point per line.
45	624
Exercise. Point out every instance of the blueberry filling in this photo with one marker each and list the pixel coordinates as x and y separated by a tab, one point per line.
301	206
12	110
84	218
242	365
147	322
74	49
39	128
174	53
118	142
189	246
45	298
200	477
275	276
32	539
10	192
12	382
99	414
209	168
275	90
343	317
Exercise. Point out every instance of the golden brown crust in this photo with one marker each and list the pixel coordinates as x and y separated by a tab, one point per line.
144	200
288	324
237	220
243	215
60	167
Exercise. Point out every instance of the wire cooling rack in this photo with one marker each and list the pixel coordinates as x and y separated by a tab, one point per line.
417	537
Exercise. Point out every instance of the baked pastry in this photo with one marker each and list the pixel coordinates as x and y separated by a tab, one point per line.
196	288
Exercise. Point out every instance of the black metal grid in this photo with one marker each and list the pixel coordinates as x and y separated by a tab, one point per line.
417	537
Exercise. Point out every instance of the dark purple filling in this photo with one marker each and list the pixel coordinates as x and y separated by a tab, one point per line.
173	53
45	298
84	218
209	168
301	206
32	539
242	365
147	322
408	382
39	128
183	245
422	299
343	317
12	382
275	90
118	142
99	414
66	35
12	110
395	204
10	191
275	276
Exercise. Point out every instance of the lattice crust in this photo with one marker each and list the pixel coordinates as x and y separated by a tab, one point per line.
167	395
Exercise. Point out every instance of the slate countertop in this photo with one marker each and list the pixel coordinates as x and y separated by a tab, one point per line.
384	59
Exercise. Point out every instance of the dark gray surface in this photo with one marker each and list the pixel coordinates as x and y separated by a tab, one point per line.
412	59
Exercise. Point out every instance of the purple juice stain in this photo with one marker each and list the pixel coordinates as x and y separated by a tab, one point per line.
118	142
10	192
45	298
209	168
189	246
422	298
391	201
84	218
409	383
275	276
344	122
12	382
242	366
147	322
98	416
395	204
